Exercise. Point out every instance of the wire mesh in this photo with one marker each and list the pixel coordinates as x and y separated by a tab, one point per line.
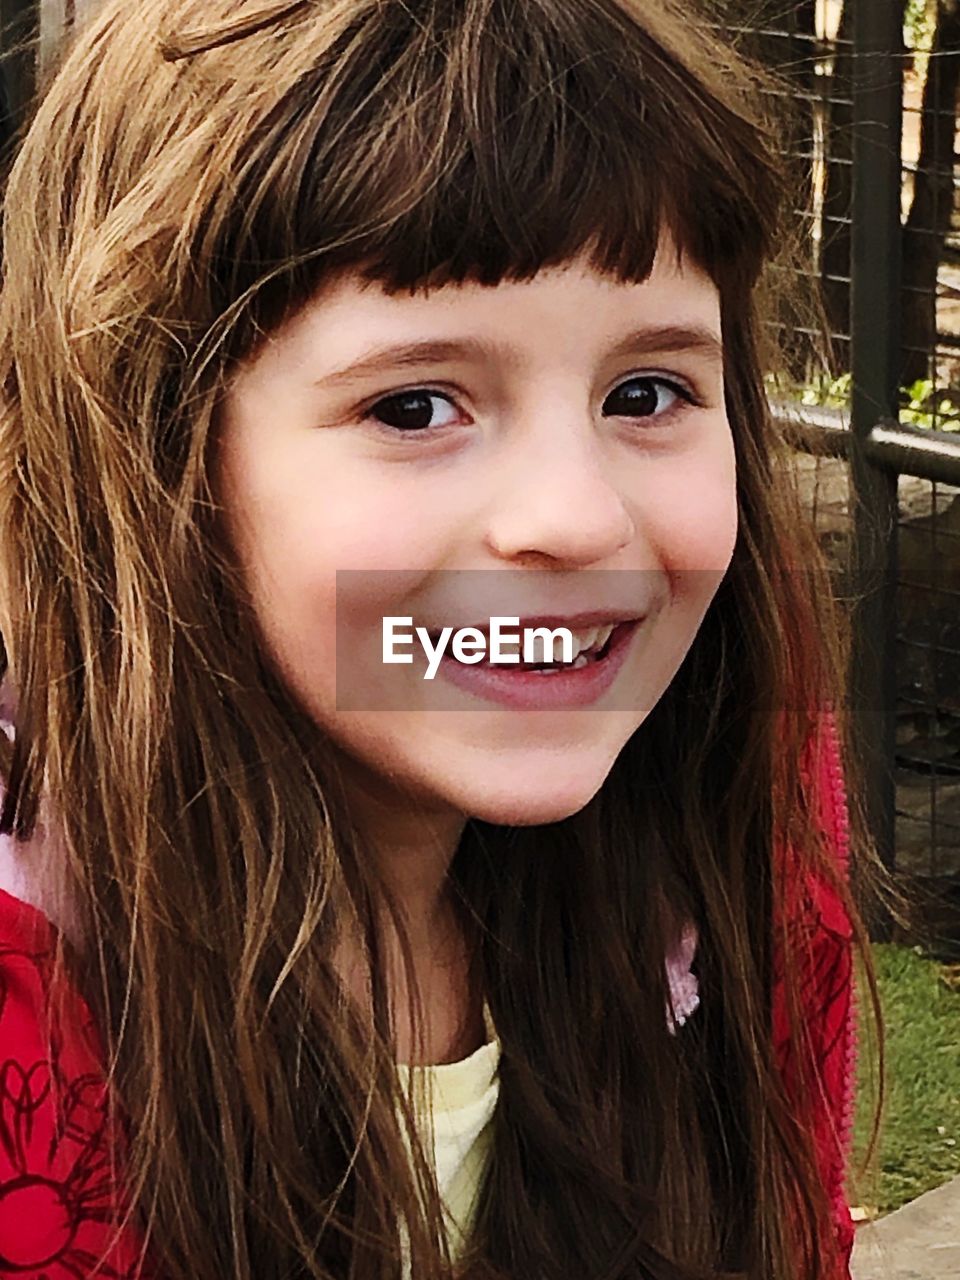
809	44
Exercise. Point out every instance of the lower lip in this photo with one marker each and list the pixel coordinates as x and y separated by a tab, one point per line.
575	688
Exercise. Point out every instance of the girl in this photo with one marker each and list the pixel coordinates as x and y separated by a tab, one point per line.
340	311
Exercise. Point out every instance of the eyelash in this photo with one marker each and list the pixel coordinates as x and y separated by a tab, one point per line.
685	394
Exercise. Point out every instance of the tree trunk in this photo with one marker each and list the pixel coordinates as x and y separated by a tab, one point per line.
930	211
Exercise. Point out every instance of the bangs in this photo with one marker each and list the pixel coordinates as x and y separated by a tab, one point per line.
441	142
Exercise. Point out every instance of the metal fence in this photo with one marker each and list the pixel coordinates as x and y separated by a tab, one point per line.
874	125
875	90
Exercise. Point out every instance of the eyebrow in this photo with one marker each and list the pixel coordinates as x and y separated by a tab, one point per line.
671	339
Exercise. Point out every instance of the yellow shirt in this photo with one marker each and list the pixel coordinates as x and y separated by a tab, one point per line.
461	1098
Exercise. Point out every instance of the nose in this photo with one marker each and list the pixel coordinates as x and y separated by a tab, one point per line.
560	503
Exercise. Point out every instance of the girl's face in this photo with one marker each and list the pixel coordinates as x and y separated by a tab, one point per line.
569	424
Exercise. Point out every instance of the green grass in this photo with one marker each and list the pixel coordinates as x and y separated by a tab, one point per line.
919	1145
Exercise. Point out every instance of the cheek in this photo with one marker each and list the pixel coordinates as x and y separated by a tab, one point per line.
301	521
691	516
293	529
693	513
325	563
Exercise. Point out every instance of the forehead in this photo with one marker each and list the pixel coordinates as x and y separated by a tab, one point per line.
677	305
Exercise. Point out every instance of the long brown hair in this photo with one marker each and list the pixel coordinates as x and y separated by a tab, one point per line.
194	173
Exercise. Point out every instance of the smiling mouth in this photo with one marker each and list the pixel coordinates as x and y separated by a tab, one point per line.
592	646
547	685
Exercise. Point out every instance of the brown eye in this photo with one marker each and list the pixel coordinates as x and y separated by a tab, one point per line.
409	410
645	398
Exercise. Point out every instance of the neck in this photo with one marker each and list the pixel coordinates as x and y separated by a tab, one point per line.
411	845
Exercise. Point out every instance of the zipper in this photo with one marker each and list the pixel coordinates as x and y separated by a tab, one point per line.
841	834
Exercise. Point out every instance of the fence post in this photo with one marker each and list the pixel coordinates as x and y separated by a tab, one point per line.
875	363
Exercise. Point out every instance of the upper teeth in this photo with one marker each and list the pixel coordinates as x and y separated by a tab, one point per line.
584	640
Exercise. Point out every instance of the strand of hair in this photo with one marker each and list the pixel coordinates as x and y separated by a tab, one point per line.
188	43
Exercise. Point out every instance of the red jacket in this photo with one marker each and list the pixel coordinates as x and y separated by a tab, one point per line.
59	1156
822	944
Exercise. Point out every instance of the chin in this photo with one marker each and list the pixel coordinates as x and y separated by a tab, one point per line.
526	788
531	804
527	811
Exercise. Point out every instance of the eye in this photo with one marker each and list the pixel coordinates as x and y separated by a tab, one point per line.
409	411
647	397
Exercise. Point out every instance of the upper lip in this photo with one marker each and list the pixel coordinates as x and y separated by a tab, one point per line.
573	621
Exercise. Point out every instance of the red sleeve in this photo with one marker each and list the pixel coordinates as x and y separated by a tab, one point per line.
58	1156
822	946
